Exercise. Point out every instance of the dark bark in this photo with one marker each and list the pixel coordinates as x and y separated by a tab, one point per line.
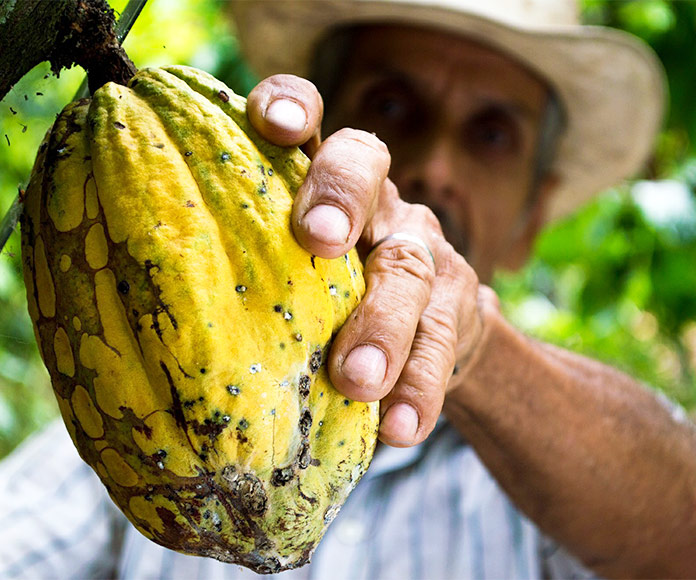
64	32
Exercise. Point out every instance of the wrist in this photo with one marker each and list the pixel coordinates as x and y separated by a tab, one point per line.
480	339
491	352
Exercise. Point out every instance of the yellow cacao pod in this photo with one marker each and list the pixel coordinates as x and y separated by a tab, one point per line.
184	329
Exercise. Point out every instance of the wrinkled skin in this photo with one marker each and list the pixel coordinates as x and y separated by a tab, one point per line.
591	456
452	131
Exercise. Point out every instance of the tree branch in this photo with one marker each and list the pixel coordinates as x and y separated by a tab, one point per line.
64	32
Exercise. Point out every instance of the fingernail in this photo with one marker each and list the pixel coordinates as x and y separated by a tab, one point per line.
365	366
327	224
401	422
287	115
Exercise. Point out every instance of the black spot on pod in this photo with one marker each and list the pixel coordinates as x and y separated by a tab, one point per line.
240	288
270	566
123	287
315	360
119	125
304	385
188	153
225	156
305	422
246	489
223	96
243	424
281	476
233	390
304	459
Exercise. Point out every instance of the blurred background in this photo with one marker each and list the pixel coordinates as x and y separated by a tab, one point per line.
616	281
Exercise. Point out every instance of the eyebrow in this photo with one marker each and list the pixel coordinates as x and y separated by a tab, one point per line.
375	70
512	107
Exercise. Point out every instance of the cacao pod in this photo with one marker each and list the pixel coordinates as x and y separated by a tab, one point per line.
184	329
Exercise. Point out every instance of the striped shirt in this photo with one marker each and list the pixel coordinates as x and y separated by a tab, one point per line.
426	512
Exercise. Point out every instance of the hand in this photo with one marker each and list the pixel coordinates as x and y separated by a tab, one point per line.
420	314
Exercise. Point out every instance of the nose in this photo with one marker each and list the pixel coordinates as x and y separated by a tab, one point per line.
430	176
434	175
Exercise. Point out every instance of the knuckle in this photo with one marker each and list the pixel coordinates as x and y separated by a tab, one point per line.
426	217
284	84
453	265
438	329
345	185
377	149
432	363
396	258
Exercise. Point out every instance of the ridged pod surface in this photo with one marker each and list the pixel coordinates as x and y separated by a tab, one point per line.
184	328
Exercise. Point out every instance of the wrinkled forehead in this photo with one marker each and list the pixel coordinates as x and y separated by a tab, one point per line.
444	69
433	61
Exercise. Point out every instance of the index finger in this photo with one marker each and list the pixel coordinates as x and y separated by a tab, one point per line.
340	194
286	110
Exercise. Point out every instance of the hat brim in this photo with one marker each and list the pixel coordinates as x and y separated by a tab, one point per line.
610	83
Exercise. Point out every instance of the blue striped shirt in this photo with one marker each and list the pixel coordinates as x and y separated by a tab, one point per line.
426	512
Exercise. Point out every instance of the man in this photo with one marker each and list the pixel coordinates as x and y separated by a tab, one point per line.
461	104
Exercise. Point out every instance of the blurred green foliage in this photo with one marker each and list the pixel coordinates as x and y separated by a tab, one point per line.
616	280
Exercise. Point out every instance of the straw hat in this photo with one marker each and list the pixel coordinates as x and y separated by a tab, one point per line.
611	84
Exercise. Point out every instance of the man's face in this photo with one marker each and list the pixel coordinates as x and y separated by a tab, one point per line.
461	122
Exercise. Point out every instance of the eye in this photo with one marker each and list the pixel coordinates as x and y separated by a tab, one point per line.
492	132
390	107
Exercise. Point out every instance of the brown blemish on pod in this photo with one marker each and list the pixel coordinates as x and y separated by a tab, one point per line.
146	511
247	490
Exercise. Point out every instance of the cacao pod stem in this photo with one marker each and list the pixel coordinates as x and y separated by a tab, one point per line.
123	27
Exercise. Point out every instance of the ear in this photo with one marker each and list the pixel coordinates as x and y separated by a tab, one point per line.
522	241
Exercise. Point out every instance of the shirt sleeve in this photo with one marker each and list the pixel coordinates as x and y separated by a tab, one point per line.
56	519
